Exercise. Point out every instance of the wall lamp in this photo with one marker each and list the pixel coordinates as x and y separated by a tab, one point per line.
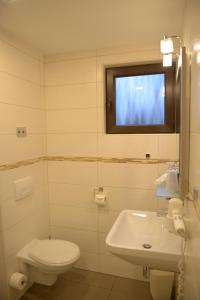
196	49
167	49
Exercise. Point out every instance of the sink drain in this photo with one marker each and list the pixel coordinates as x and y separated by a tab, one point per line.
146	246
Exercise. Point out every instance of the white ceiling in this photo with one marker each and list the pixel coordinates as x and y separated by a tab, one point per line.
56	26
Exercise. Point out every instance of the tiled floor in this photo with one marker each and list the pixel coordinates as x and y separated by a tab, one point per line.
85	285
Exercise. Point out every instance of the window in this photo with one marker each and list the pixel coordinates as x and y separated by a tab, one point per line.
140	99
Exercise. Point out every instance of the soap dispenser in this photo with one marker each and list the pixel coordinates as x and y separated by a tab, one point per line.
167	184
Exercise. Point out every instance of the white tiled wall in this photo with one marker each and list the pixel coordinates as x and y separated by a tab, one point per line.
21	104
192	34
74	88
3	279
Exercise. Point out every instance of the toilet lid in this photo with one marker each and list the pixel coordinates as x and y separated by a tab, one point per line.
54	252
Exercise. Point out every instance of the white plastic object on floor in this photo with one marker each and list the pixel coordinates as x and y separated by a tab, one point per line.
161	283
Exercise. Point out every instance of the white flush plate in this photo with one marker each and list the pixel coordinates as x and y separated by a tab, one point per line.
23	187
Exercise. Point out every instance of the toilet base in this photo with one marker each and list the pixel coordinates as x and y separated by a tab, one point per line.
42	271
37	276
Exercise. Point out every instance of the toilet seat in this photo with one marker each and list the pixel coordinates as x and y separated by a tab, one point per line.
44	260
54	252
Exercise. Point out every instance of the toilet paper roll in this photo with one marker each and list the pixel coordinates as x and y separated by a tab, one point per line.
100	199
18	281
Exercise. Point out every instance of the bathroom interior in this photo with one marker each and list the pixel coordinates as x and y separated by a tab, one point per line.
81	213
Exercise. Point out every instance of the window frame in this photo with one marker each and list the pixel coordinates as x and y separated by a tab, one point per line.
145	69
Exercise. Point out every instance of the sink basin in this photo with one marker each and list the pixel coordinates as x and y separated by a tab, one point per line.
143	238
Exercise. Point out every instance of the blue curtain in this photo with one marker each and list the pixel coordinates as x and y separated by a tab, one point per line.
140	100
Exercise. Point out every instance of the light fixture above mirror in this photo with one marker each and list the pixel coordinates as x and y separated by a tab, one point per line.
168	50
166	45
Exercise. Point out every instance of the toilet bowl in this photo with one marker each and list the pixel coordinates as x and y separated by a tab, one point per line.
44	260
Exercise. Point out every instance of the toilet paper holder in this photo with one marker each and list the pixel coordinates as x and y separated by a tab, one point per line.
99	196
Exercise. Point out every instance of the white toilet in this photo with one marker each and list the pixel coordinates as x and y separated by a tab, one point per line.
44	260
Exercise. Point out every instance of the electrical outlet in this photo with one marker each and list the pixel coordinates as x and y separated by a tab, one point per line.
21	131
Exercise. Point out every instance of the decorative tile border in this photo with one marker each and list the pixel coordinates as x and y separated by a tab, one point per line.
107	159
27	162
21	163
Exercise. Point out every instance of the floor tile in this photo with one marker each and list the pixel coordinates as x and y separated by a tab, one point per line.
91	278
72	290
105	281
74	274
121	296
96	293
131	287
80	284
66	289
40	292
29	296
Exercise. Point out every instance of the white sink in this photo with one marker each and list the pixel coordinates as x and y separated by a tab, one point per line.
133	229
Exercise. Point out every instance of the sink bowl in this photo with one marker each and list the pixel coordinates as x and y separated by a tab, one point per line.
143	238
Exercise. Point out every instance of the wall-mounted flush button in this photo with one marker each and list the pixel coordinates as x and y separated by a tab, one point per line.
21	131
23	187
